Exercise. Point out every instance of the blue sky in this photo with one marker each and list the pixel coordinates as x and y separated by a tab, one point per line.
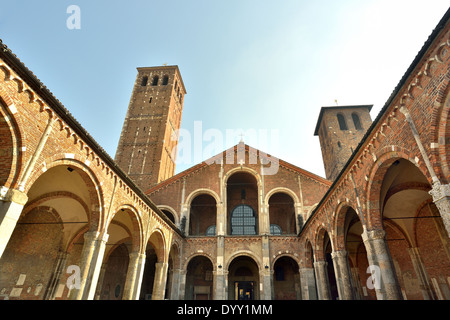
252	65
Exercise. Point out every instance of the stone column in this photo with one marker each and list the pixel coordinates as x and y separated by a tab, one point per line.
323	288
266	274
91	262
308	282
380	263
343	275
11	206
175	288
135	273
159	285
441	198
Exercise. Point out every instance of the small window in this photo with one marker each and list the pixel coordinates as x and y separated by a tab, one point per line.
356	121
176	84
275	229
150	100
211	231
155	81
165	80
144	81
342	123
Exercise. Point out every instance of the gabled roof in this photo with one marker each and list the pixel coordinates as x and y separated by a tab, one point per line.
249	149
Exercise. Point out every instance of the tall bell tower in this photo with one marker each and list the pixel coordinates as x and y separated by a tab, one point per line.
148	143
340	129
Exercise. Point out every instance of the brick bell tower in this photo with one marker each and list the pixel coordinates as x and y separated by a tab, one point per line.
340	129
148	142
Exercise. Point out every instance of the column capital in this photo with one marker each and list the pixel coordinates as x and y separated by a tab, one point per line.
13	195
339	254
376	234
439	191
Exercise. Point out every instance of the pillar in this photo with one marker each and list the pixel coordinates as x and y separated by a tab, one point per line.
343	275
308	282
381	265
135	273
422	275
323	288
90	265
11	206
159	285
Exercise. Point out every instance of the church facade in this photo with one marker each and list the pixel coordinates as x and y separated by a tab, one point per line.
76	224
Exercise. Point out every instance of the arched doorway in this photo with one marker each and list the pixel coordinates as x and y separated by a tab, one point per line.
286	279
243	279
199	279
332	284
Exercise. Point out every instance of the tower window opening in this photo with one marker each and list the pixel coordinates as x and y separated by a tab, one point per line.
150	100
356	121
165	80
144	81
155	81
342	123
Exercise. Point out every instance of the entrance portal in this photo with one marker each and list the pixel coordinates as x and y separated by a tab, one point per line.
243	279
243	290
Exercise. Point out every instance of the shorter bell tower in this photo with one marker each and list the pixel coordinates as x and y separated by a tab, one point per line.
340	129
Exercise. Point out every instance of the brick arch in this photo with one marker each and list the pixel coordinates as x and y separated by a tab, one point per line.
376	177
308	254
199	192
175	253
12	141
338	223
185	264
284	190
240	170
281	255
158	242
92	184
441	129
319	242
136	233
244	253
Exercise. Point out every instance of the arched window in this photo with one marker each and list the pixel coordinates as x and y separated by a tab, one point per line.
144	81
342	123
243	220
356	121
211	231
155	81
275	229
165	80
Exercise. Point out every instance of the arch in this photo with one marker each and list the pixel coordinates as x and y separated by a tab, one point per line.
377	173
172	211
244	277
202	214
282	212
11	157
281	190
136	231
199	278
93	187
157	241
286	278
200	191
231	172
246	253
